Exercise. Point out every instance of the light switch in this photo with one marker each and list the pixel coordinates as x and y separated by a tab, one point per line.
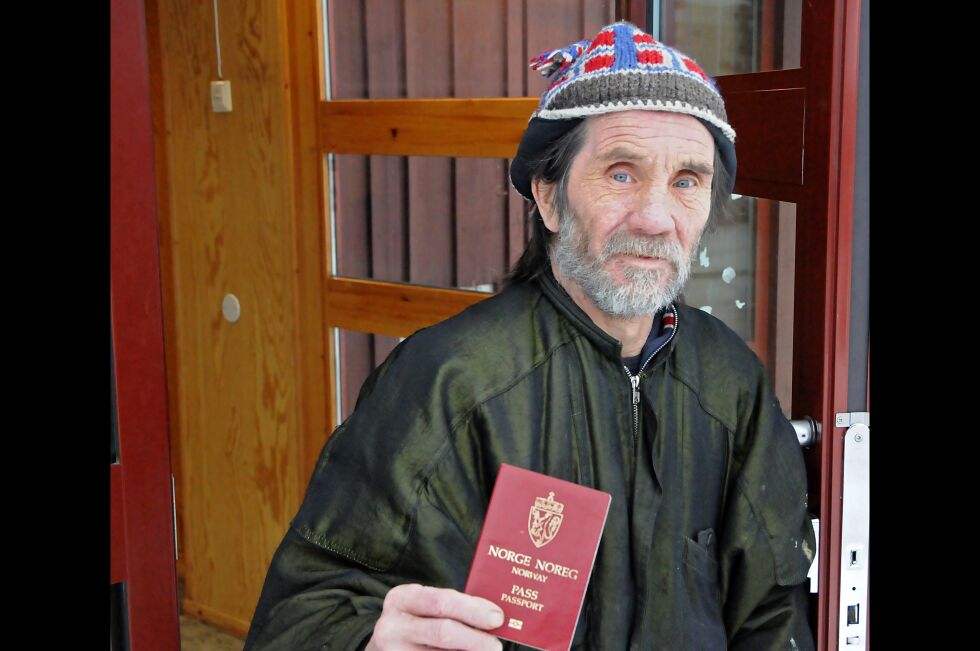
221	96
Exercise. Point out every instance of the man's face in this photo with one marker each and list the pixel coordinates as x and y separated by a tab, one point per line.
639	195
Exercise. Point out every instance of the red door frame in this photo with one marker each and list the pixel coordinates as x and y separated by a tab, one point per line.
141	501
831	45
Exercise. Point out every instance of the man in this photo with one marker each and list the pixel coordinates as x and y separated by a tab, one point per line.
585	369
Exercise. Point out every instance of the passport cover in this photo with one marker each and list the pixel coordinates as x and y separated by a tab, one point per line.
535	555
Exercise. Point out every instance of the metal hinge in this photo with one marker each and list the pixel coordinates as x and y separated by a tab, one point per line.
847	419
855	511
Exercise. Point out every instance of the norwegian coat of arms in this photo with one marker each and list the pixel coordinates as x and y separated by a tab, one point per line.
544	519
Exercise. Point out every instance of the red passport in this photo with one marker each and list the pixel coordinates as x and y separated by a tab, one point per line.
535	555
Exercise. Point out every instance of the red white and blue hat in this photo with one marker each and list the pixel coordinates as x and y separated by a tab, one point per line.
621	69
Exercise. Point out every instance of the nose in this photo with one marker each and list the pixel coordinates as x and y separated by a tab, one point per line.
651	214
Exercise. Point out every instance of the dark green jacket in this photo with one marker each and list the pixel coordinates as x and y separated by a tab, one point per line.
707	542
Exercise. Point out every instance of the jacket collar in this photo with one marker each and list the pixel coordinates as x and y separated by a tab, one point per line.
607	344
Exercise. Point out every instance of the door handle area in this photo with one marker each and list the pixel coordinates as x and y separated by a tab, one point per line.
807	430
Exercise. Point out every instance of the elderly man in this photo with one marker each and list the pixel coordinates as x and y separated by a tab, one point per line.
584	368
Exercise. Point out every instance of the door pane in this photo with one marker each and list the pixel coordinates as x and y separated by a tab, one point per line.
449	48
445	222
357	354
728	37
743	274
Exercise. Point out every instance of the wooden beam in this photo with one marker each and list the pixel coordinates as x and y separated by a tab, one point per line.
392	309
483	128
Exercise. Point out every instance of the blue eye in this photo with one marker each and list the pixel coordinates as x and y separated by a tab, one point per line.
691	181
622	177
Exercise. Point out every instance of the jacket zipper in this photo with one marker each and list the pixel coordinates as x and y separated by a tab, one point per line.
635	379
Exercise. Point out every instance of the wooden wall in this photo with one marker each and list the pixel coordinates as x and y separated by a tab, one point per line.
238	215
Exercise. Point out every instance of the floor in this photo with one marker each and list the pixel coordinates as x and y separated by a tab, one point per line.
196	635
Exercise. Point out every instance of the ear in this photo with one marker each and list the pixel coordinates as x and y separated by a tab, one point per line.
544	194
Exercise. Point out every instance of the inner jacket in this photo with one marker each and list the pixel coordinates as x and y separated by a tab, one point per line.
707	541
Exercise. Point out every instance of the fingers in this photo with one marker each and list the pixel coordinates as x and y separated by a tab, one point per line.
415	617
423	601
449	634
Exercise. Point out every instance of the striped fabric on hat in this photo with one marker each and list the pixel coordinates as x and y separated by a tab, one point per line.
624	69
621	69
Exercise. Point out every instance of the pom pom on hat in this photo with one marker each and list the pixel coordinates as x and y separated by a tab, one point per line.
621	69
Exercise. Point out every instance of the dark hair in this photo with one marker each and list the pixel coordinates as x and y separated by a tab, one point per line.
554	166
721	201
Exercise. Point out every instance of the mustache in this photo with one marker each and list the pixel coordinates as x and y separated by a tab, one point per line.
649	247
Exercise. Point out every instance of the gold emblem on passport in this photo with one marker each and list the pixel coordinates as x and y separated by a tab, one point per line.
544	520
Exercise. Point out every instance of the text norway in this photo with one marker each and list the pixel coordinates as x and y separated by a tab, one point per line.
525	560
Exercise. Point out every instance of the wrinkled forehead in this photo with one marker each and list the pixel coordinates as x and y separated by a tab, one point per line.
641	134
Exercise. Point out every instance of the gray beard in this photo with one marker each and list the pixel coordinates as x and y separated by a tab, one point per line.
644	292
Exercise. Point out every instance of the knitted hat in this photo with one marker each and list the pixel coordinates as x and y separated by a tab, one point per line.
621	69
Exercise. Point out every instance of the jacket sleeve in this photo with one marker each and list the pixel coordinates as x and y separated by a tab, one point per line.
313	599
767	542
390	502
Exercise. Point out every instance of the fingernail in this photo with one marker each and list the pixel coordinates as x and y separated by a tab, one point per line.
496	617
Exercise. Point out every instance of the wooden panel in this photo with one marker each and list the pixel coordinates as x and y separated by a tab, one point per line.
387	210
385	68
481	185
392	309
356	361
353	247
231	229
388	175
479	71
117	528
428	73
352	222
549	25
381	346
486	128
516	83
348	73
596	15
635	12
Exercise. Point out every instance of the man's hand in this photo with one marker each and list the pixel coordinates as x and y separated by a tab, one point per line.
419	617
